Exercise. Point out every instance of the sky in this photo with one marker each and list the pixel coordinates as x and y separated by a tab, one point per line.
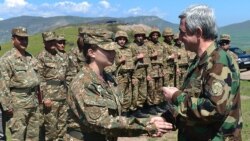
226	11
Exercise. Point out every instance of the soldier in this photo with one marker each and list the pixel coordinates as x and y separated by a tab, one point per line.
207	106
142	67
94	99
124	70
182	60
52	69
76	58
156	50
170	56
18	90
224	43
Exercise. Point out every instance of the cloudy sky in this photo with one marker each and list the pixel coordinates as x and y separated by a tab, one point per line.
227	11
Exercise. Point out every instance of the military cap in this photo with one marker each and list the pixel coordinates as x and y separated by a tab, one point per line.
176	36
139	30
20	31
225	37
102	38
60	38
81	30
121	34
167	32
155	30
49	36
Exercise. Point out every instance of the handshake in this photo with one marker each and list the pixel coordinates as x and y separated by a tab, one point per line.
159	126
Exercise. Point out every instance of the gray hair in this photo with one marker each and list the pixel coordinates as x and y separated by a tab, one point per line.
200	16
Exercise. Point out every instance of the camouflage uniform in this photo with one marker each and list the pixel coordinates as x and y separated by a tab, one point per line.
228	38
209	99
182	61
18	90
76	58
124	72
52	68
142	67
155	95
169	69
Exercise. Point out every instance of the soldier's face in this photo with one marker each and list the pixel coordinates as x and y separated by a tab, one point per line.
190	40
139	38
154	36
20	42
60	45
225	44
50	45
121	41
168	38
102	58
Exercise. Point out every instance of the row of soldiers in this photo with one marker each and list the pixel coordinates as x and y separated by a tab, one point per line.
34	89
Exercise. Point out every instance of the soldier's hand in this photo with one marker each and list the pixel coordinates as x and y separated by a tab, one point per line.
8	113
149	78
47	103
169	92
154	54
122	59
161	124
140	56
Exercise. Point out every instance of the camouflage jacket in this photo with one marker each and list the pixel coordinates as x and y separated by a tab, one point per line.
183	58
129	63
158	61
96	104
209	99
52	69
18	80
76	61
140	63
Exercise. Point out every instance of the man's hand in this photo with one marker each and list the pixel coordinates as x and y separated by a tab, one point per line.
47	103
140	56
161	125
168	92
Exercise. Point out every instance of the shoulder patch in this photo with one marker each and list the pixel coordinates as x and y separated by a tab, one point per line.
217	88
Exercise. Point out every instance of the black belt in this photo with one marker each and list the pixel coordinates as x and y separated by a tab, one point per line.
24	90
55	82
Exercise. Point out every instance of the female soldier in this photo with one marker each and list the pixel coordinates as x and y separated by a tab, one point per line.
94	99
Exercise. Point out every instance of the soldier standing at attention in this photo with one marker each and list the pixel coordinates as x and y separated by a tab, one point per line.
18	90
76	58
52	69
94	98
182	60
170	56
207	106
142	67
156	50
124	70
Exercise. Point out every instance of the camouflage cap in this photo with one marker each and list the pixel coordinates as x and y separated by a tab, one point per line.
20	31
176	36
139	30
225	37
60	38
121	34
81	30
101	37
49	36
168	32
155	30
